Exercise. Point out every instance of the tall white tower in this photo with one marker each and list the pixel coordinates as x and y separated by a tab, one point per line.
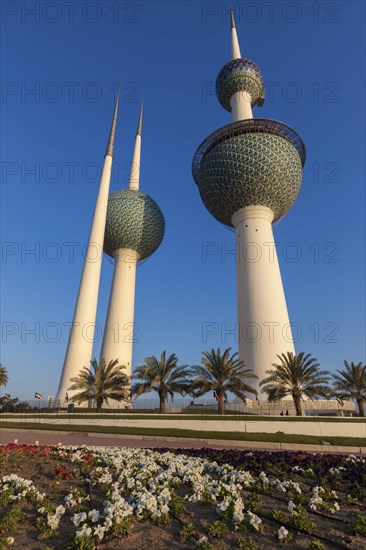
134	230
249	174
80	344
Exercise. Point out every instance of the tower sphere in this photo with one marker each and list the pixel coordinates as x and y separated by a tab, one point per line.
134	221
252	162
240	75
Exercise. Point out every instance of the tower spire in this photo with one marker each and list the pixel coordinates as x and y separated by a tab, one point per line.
80	344
134	182
235	48
139	126
112	133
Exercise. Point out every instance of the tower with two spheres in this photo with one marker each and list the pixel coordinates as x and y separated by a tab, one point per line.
129	226
248	174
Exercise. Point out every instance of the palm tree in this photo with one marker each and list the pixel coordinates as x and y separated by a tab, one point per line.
4	379
351	384
221	374
102	382
298	376
163	376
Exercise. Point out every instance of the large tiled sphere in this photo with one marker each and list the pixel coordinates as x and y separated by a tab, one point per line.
135	221
240	166
240	75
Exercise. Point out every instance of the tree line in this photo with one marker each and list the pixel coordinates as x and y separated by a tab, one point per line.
297	376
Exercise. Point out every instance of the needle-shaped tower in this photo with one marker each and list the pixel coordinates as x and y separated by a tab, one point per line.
134	230
249	174
80	344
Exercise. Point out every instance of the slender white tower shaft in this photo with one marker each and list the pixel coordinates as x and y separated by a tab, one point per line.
80	344
264	326
241	102
119	330
263	321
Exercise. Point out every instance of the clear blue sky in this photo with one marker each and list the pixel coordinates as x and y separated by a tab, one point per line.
169	54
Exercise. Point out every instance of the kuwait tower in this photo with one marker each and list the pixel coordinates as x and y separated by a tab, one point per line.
80	344
248	174
135	228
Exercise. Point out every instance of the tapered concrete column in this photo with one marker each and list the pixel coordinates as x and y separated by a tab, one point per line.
120	330
81	338
264	327
80	345
241	106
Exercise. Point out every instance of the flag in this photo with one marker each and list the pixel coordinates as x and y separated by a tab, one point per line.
216	396
6	397
37	395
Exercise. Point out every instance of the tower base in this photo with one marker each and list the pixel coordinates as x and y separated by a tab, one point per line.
264	326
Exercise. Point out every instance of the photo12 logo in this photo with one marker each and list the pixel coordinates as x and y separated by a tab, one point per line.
253	252
271	11
52	332
269	331
68	91
69	11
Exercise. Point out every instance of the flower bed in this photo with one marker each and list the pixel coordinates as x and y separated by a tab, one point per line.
96	497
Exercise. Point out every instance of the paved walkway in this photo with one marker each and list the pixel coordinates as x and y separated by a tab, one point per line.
52	437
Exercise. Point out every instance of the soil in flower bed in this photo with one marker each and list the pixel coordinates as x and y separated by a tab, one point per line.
213	499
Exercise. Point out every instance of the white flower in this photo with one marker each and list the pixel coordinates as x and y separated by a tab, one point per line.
201	541
254	521
53	521
84	531
336	507
77	519
60	510
316	500
238	511
282	533
223	506
94	515
99	531
291	507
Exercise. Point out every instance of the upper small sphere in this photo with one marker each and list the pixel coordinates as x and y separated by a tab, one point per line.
254	162
240	75
135	221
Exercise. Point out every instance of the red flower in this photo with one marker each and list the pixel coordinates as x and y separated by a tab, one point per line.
60	471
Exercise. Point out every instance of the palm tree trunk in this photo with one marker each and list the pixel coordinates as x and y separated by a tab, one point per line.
162	405
99	404
220	405
361	407
298	407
